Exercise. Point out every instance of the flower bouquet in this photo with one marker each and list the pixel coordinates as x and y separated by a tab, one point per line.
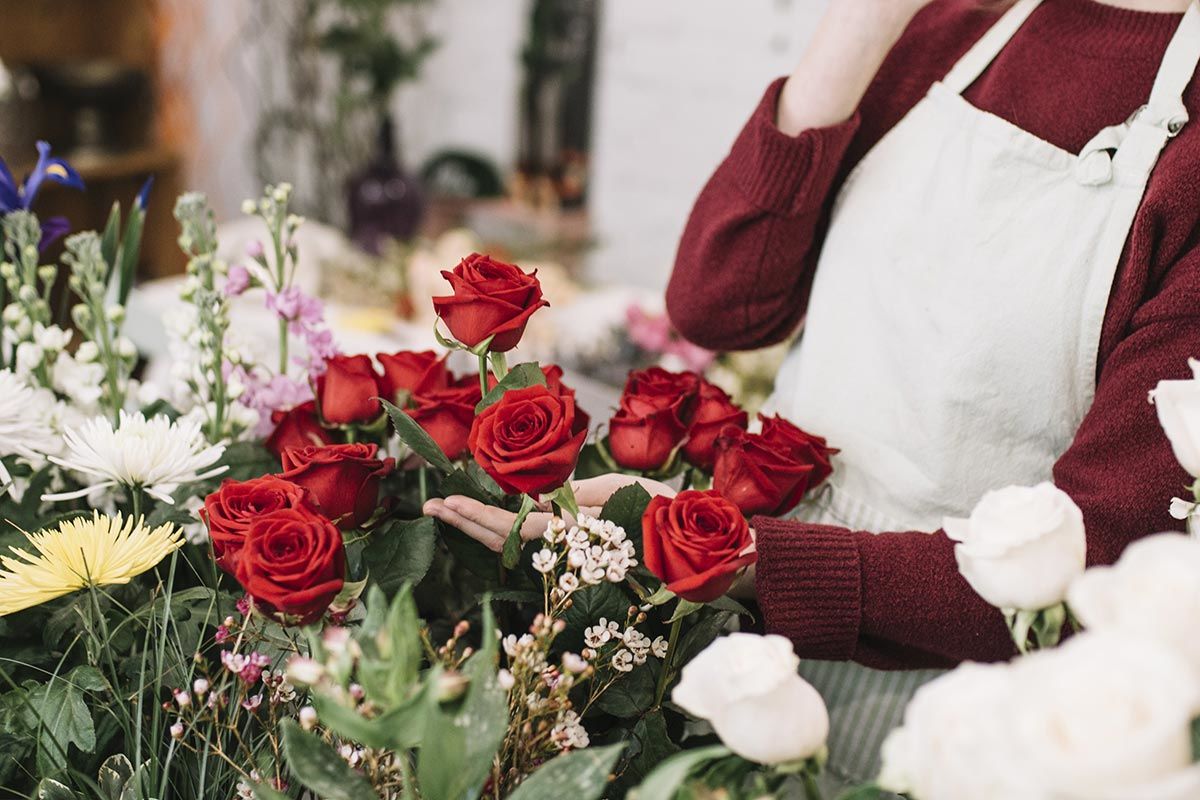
225	583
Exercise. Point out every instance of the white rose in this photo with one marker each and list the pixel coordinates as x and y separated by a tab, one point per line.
1021	547
1154	590
1178	405
950	746
748	689
1105	717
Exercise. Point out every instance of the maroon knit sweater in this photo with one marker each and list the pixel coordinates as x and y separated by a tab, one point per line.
745	267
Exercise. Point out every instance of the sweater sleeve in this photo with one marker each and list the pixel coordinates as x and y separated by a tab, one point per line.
745	261
896	600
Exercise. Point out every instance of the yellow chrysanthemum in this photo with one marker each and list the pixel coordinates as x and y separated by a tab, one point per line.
82	552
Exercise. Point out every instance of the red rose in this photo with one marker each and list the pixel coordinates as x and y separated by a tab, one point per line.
696	542
528	440
231	510
769	473
656	408
645	431
714	410
293	564
553	374
446	415
344	478
491	298
298	427
412	372
348	390
783	434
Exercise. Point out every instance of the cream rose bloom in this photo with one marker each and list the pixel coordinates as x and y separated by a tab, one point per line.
1021	547
1178	405
748	689
1153	590
1106	717
952	746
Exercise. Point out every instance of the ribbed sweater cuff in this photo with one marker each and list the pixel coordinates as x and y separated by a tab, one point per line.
808	581
788	175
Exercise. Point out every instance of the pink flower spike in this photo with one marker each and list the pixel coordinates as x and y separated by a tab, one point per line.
238	281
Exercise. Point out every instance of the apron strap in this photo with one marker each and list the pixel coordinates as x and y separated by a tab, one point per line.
1178	66
984	51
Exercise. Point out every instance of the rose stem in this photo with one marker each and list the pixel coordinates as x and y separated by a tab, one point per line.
811	792
665	675
483	373
422	481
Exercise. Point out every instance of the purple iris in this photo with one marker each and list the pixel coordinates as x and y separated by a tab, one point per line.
14	196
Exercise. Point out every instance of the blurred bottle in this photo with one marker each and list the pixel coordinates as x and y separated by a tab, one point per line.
386	201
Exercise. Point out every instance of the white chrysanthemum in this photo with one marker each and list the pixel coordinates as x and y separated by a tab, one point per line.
154	455
24	423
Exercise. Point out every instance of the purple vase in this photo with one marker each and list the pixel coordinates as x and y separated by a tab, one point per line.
386	202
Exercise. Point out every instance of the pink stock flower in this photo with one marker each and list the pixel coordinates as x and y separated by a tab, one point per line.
237	281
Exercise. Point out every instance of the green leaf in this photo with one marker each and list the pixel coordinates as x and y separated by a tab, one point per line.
50	789
513	544
685	608
468	485
401	552
665	780
320	768
462	738
416	438
650	746
58	713
109	241
868	792
593	602
401	728
580	775
470	553
632	694
701	634
727	603
522	376
114	773
247	460
264	792
131	248
661	596
625	508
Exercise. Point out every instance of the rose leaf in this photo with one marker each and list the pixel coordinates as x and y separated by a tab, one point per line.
522	376
413	435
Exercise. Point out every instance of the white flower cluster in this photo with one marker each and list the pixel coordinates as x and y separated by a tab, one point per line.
1106	716
633	646
587	553
568	733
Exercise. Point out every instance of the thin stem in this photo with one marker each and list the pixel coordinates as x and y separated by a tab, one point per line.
811	792
136	498
665	676
423	483
483	374
283	346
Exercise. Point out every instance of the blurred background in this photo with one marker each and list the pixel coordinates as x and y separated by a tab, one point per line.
570	135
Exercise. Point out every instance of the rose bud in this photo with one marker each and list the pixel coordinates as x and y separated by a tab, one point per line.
769	473
293	564
344	479
409	372
714	411
490	299
446	415
348	391
529	440
696	543
298	427
231	510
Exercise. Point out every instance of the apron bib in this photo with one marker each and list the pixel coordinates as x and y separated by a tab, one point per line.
951	339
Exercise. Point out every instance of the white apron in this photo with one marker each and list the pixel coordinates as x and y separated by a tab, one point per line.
952	333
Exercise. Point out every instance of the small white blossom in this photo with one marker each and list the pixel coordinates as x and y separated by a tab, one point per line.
568	582
659	647
544	560
622	660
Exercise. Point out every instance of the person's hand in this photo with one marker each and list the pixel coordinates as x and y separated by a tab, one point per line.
490	525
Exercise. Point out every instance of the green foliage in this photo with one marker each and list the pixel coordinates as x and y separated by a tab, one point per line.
59	715
633	694
401	552
521	376
248	460
669	776
581	775
320	768
417	439
625	508
650	744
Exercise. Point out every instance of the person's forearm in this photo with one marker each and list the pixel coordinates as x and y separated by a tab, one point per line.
850	44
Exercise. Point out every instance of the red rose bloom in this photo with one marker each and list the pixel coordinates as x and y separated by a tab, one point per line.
412	372
714	410
446	415
231	510
491	298
656	408
769	473
298	427
645	431
348	390
528	440
696	542
344	478
293	564
554	383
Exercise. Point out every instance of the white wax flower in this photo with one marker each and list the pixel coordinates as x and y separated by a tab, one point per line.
1021	547
1152	590
748	689
1178	405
